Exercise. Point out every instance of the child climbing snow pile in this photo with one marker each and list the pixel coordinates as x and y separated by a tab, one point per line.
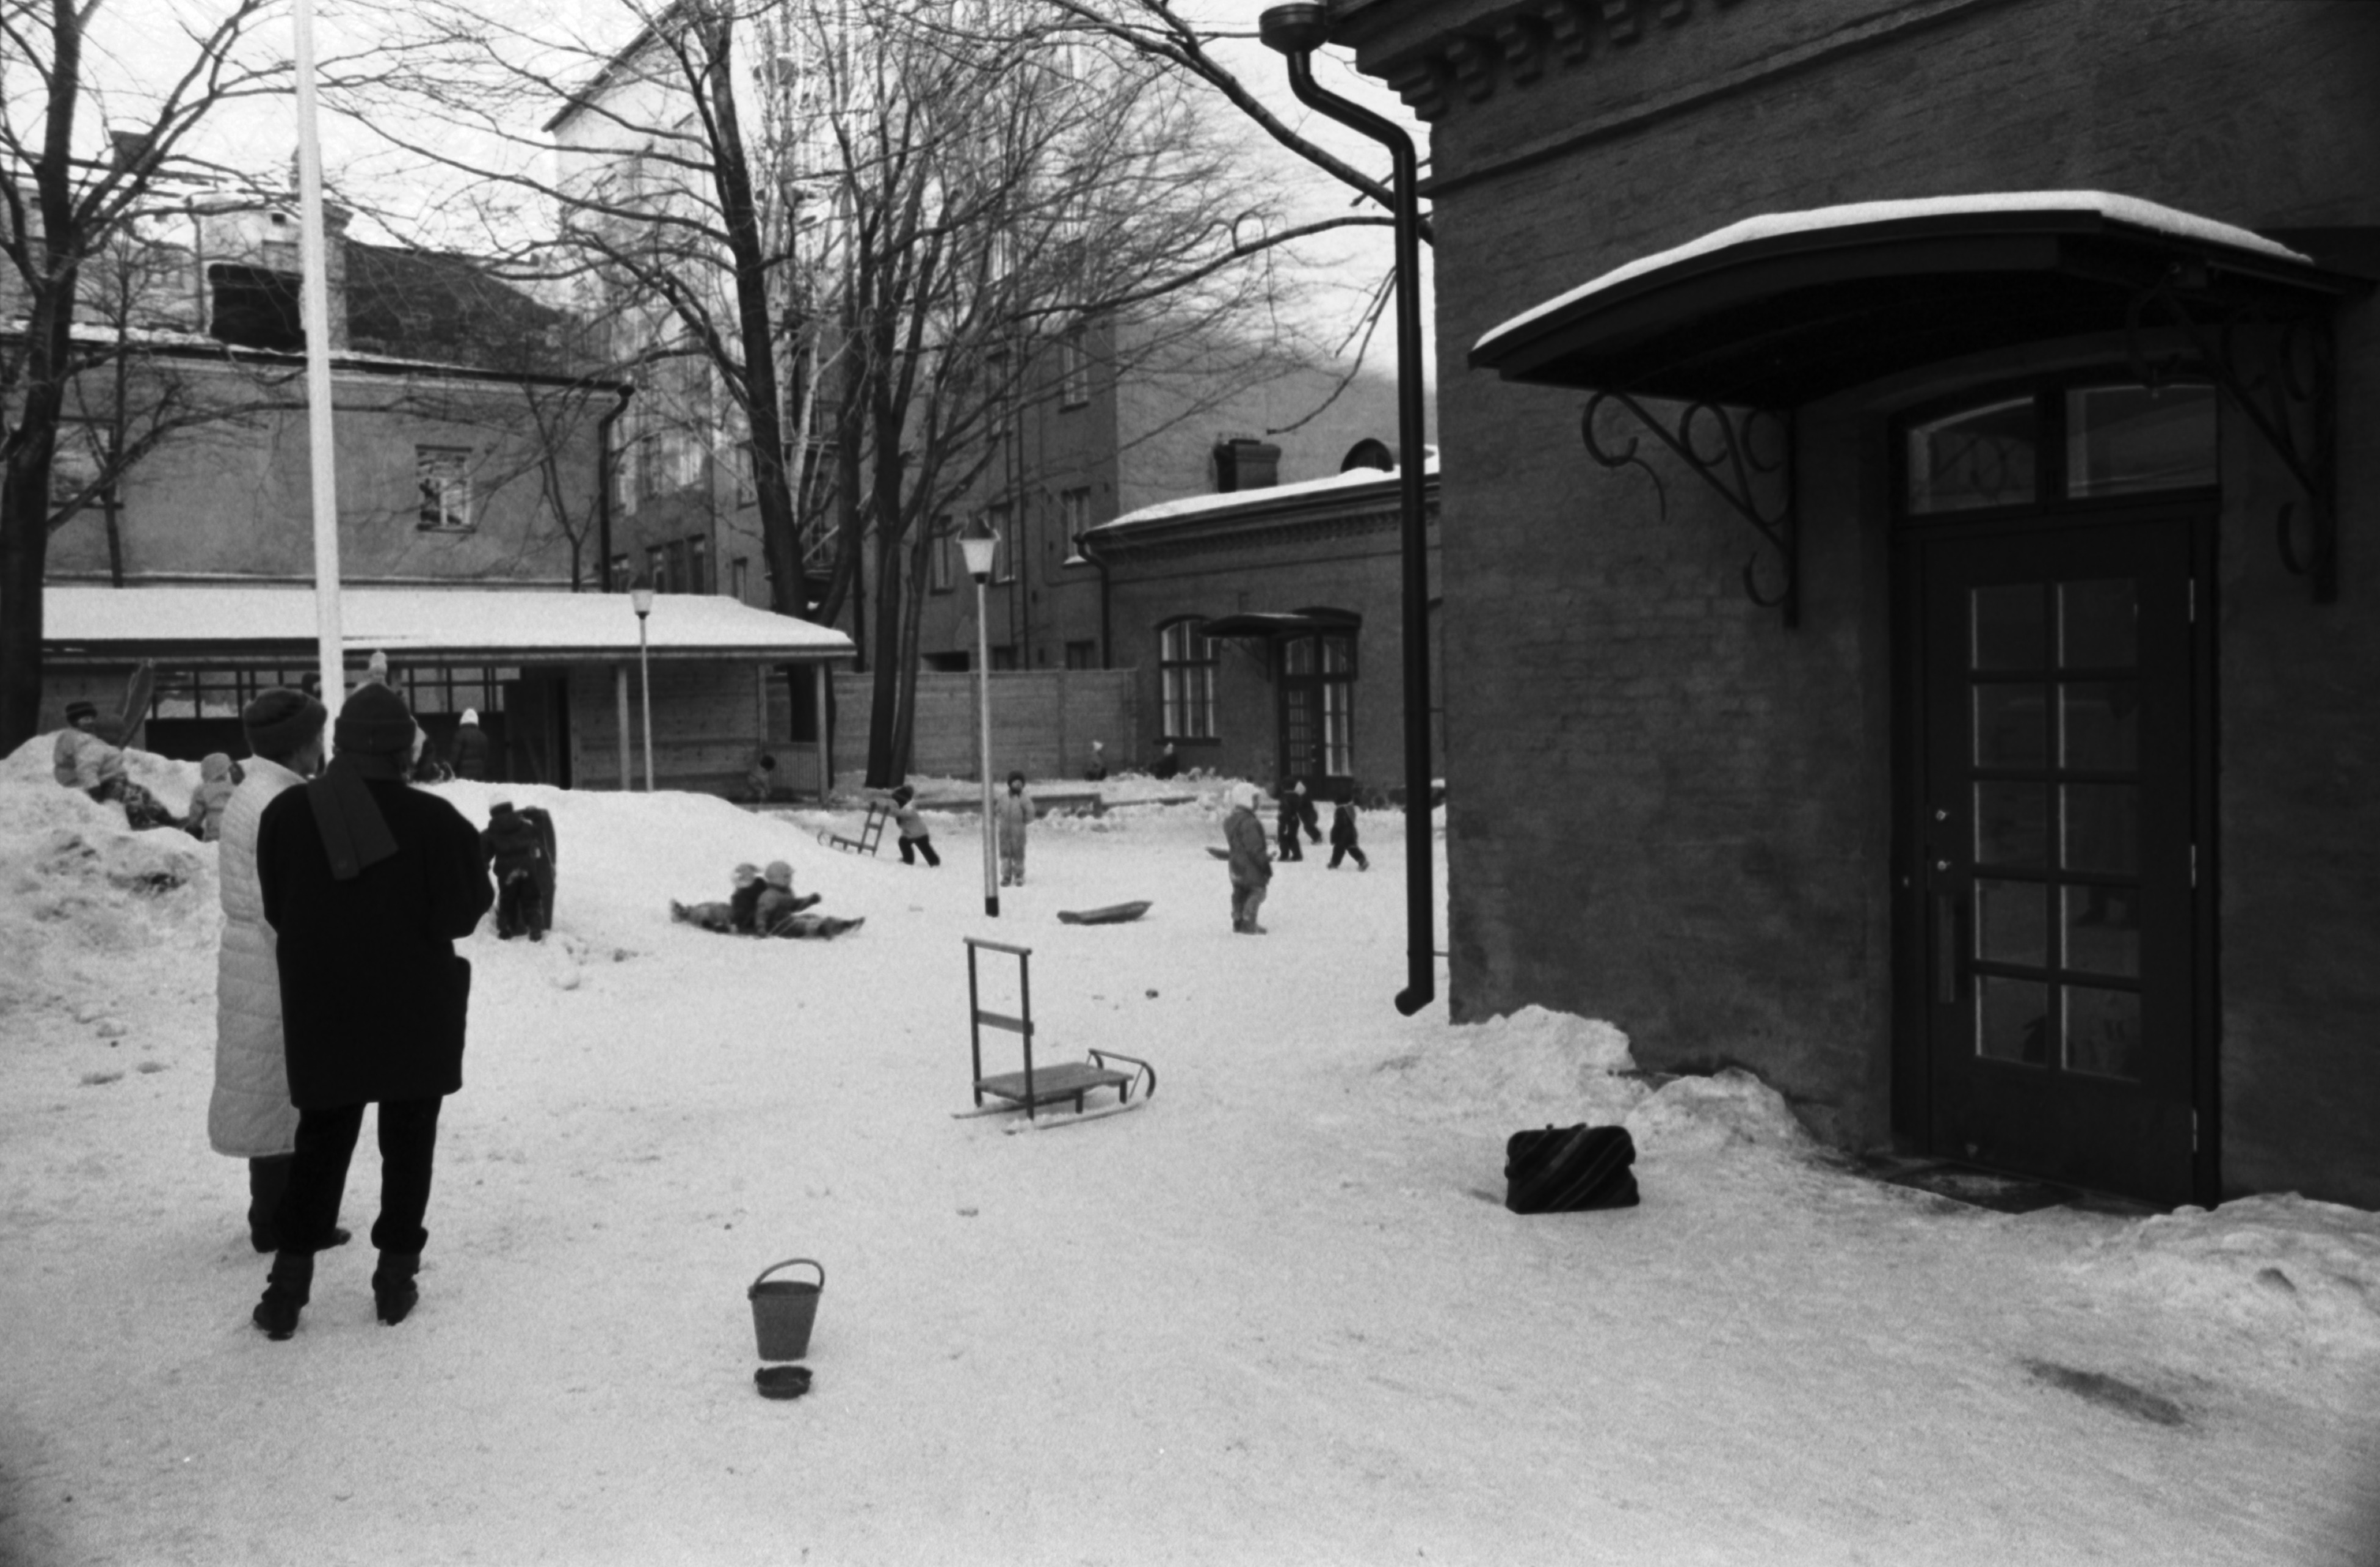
779	913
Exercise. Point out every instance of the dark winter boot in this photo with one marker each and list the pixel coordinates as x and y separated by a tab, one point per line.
287	1290
393	1293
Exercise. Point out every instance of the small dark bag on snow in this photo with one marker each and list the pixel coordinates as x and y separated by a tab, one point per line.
1564	1169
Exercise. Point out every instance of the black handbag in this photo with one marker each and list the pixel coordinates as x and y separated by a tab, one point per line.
1566	1169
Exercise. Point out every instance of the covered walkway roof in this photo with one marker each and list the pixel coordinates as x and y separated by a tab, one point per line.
457	625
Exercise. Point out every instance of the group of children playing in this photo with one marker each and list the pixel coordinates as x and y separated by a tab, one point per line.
1297	815
763	904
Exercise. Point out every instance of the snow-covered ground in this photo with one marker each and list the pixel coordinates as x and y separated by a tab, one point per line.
1278	1316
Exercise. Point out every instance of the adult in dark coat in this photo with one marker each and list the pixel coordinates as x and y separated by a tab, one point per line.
469	751
367	881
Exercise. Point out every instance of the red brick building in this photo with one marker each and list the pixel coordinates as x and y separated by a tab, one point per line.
1943	680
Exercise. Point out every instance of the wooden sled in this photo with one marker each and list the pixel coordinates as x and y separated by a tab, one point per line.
1050	1084
870	832
1114	914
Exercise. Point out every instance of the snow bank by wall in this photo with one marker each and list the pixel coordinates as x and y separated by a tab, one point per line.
2279	1268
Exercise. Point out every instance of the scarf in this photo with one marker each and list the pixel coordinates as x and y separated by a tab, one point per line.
355	834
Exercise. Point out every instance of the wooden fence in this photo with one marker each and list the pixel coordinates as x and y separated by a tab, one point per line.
1043	722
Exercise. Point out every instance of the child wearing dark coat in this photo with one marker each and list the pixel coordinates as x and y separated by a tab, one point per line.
1342	837
734	915
521	843
1296	814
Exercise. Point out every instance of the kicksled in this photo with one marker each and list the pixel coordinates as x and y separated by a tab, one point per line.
1048	1084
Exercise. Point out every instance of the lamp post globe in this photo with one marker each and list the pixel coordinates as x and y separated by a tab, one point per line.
981	545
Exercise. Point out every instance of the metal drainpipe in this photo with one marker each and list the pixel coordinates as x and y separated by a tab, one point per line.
1297	31
603	489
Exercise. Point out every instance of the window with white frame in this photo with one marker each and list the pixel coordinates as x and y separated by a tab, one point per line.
443	476
1074	515
697	565
1185	668
657	572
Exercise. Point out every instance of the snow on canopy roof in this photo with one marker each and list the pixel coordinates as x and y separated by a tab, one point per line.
514	624
2130	209
1260	499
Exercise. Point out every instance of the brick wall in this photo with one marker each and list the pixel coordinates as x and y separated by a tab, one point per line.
1673	813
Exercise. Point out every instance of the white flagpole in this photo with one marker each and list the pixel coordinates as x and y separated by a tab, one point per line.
329	650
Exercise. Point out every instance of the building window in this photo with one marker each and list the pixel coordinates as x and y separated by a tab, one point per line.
739	576
1003	559
698	565
1074	515
620	575
443	475
1005	656
1074	371
657	573
1082	655
941	547
1185	670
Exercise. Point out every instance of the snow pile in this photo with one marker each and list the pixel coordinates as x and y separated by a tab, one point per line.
75	881
2281	1268
1709	1115
1534	1067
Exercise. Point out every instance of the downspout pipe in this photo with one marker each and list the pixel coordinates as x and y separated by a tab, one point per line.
603	490
1297	31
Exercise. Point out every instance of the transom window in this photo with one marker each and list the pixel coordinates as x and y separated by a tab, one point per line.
2069	442
1186	664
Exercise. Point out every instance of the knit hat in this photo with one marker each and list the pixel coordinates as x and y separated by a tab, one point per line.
501	811
78	712
470	715
747	874
374	721
280	720
903	795
780	874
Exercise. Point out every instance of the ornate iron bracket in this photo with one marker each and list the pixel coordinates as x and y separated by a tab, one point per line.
2280	372
1725	446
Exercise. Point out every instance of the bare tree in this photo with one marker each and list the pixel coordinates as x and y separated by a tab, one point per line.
874	221
67	193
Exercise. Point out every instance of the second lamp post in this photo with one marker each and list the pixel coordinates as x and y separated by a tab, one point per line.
641	596
981	545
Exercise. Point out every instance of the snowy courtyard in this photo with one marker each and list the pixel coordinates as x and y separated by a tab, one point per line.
1277	1315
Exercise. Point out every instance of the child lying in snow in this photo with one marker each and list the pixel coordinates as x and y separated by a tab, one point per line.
779	913
734	915
762	908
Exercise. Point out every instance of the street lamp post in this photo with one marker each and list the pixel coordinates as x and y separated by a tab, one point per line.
979	545
1297	31
641	596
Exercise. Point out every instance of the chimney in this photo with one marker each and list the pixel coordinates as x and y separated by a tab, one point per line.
1242	462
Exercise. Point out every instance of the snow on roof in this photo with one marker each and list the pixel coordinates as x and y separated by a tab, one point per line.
448	620
1260	500
2129	209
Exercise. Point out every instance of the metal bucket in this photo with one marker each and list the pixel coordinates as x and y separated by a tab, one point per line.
783	1310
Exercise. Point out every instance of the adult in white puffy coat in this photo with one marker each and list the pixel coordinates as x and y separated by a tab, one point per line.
249	1116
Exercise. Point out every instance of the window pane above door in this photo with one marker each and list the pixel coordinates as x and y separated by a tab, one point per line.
1985	457
2131	441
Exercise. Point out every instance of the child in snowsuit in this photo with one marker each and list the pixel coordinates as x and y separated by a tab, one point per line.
84	760
218	776
521	843
760	783
1297	812
914	839
736	914
1013	813
1251	864
779	913
1342	837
